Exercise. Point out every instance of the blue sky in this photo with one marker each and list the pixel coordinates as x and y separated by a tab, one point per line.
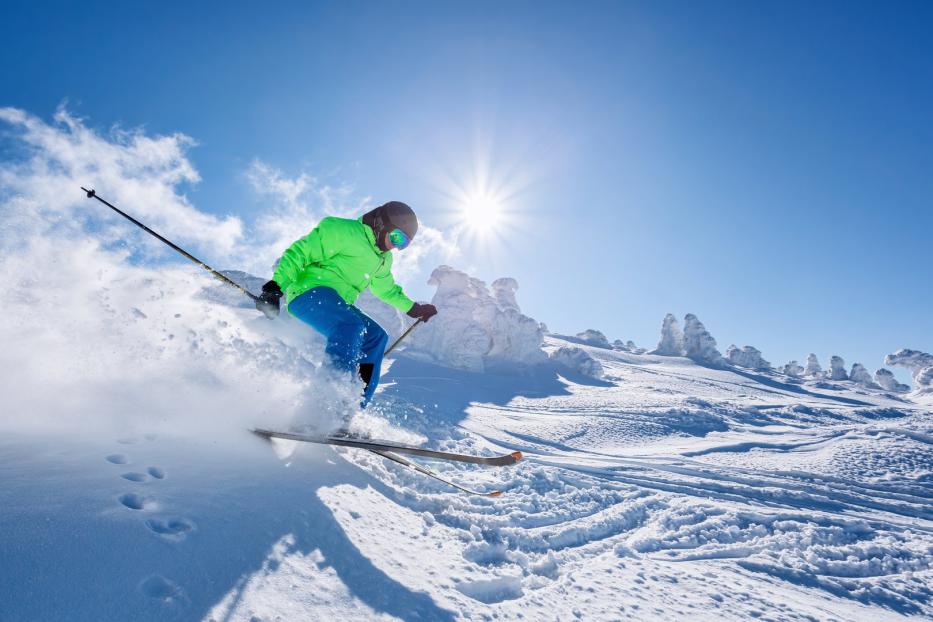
766	166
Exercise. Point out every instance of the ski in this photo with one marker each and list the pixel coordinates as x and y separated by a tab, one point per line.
432	474
389	446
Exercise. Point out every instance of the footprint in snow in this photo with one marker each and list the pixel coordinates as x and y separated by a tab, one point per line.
156	472
135	477
133	501
162	589
170	529
117	459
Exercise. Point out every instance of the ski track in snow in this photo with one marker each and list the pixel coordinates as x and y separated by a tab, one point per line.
807	513
665	490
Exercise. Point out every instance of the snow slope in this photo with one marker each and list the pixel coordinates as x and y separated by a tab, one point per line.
663	490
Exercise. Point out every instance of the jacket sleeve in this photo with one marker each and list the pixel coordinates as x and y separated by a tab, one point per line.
387	290
311	249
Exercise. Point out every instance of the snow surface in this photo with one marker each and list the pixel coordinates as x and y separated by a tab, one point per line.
665	490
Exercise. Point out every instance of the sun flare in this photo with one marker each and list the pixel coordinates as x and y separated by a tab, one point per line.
481	211
482	202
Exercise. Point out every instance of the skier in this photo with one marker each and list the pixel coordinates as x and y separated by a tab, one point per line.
322	274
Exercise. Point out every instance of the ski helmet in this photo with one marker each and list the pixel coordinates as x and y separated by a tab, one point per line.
388	217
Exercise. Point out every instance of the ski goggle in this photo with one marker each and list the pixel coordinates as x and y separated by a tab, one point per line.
399	238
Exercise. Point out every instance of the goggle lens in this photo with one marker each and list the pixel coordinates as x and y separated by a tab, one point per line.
399	239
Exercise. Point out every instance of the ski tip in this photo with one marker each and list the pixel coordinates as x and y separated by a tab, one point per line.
517	455
494	493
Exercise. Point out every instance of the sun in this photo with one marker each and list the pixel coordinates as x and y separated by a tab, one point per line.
482	203
481	211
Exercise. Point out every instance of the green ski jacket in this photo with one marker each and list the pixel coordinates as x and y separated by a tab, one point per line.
340	253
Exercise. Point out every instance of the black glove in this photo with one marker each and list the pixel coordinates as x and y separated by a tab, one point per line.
268	301
422	312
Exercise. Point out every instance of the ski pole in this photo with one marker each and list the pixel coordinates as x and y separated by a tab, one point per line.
405	334
93	195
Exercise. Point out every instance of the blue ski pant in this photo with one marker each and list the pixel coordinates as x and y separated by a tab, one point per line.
354	340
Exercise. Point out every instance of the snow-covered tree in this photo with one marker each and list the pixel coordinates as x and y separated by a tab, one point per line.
747	356
919	363
595	338
925	379
861	376
886	379
793	369
503	290
837	368
672	338
627	346
578	360
699	344
474	329
813	369
914	360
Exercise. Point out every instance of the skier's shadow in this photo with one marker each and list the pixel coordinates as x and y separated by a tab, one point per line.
451	391
291	520
261	541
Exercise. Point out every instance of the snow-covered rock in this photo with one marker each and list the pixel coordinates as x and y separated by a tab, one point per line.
813	370
887	381
475	329
594	338
837	368
578	360
699	344
861	376
672	338
748	356
919	363
793	369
